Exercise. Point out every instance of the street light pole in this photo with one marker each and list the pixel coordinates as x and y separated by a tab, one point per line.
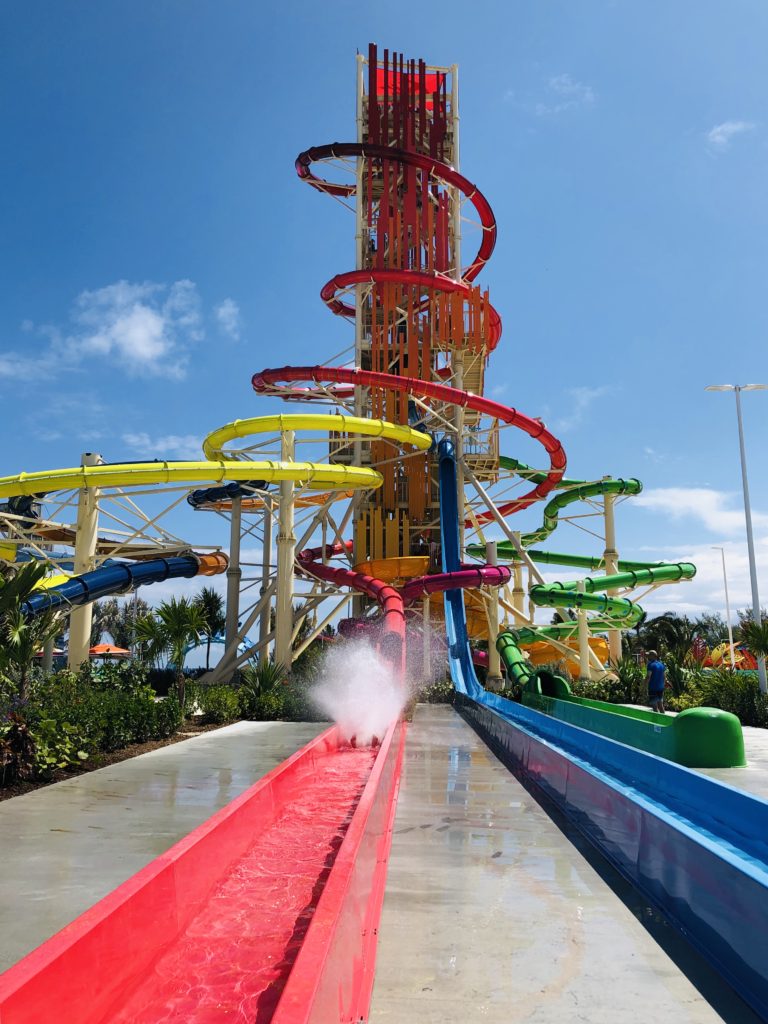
738	388
727	608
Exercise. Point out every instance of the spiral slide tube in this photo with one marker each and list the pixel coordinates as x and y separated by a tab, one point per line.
120	578
266	381
139	474
392	627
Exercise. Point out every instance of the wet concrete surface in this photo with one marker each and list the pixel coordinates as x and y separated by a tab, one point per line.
754	778
65	846
496	910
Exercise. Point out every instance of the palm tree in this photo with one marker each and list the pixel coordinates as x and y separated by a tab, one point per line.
21	637
754	636
211	605
170	630
117	618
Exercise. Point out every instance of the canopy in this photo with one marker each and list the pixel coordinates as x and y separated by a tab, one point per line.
108	651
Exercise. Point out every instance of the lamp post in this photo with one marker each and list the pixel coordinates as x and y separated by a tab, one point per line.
737	389
727	607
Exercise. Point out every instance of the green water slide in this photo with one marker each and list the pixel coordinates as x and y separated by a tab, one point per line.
697	738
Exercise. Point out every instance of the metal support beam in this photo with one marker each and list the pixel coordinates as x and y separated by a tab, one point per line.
234	575
266	568
611	559
581	616
86	537
426	634
286	546
493	681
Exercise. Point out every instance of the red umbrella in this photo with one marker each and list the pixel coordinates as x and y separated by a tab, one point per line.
108	651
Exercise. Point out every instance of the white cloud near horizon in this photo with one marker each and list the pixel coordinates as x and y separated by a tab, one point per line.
719	511
176	446
228	318
143	329
719	137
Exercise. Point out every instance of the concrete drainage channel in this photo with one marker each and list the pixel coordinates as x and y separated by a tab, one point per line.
695	847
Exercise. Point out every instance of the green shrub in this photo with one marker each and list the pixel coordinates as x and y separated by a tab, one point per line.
439	692
57	745
272	706
218	703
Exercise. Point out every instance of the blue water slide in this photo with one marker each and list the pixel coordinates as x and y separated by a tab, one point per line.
115	578
459	652
225	492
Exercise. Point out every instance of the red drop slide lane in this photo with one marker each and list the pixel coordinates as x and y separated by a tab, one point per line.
292	869
391	631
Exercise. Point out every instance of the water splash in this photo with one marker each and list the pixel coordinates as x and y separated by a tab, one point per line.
359	690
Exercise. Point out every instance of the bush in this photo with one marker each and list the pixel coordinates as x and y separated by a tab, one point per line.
272	706
57	745
218	703
439	692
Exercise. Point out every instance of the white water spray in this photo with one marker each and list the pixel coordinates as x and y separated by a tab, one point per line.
359	690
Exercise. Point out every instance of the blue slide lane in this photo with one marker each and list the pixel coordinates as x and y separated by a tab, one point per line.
114	578
696	847
459	653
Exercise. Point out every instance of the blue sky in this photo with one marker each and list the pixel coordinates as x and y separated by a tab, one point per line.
159	248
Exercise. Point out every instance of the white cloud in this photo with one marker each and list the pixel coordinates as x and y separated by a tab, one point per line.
17	367
719	511
174	446
141	329
719	138
145	328
705	592
582	400
227	315
564	93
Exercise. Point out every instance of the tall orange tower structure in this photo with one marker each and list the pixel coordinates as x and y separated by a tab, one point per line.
417	312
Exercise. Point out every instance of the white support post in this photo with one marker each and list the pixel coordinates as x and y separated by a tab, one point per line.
85	550
518	591
286	544
426	632
266	568
611	560
581	614
48	647
493	681
234	575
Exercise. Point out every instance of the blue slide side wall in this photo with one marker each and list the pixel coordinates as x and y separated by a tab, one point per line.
696	847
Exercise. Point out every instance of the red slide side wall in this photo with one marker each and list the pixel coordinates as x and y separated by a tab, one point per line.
332	977
85	971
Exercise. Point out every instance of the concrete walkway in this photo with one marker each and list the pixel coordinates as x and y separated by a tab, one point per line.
65	846
754	778
495	911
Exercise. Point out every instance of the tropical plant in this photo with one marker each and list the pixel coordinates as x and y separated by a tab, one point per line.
211	605
117	618
21	637
168	632
711	627
259	685
754	636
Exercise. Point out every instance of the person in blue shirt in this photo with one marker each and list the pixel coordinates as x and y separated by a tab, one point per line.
655	680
